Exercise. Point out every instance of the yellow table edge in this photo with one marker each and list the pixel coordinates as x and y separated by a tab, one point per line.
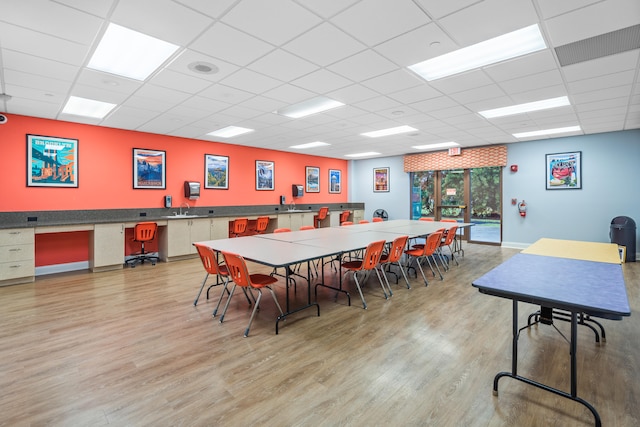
575	249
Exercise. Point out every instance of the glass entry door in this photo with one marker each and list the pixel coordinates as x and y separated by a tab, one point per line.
466	195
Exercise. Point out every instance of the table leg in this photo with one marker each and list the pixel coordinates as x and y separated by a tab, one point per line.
574	382
309	303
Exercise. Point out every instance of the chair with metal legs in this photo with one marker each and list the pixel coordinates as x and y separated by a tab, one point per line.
369	262
209	260
448	241
392	257
240	276
420	253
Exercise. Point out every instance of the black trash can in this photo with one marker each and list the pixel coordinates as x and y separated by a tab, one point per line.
623	232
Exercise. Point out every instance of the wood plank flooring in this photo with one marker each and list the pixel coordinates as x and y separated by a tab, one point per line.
129	348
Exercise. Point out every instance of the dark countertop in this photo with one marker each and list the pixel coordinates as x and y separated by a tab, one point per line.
104	216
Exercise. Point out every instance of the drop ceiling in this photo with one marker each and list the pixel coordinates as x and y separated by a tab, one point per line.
271	54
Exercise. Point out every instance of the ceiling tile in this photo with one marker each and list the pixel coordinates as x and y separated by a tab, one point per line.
324	45
373	22
244	49
275	22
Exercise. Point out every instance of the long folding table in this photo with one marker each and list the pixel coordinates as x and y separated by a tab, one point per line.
283	250
577	277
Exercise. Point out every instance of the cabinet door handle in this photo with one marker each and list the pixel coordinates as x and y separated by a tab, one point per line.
15	266
15	232
15	250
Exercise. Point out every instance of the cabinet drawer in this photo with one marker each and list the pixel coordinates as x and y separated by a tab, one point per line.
16	236
17	253
17	269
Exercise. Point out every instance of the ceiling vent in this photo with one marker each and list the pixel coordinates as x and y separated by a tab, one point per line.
599	46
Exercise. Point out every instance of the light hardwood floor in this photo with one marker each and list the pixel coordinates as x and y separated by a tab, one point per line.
129	348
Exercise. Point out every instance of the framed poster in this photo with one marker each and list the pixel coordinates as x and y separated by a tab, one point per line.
264	175
335	181
564	171
216	171
149	168
52	162
380	179
312	179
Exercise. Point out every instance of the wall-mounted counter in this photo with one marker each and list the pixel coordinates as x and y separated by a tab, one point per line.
107	229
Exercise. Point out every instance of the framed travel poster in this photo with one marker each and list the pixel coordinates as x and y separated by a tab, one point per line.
149	168
216	170
52	161
564	171
264	175
335	181
312	179
380	179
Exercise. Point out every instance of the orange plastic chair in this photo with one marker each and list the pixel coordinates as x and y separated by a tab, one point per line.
424	218
363	221
393	258
210	264
369	262
377	219
346	223
322	214
240	276
282	230
240	226
344	216
143	232
448	220
261	224
448	240
426	252
307	227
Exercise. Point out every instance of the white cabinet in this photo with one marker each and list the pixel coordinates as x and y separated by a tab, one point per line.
176	239
106	247
220	228
358	215
295	220
17	256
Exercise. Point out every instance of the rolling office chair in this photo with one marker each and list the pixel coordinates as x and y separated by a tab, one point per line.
262	222
143	232
344	216
322	214
239	226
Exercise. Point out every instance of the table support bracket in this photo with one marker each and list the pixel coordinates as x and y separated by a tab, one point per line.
573	347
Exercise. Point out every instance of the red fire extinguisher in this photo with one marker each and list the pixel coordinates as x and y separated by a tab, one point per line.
522	208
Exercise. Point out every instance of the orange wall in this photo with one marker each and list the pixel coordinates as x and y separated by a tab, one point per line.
105	175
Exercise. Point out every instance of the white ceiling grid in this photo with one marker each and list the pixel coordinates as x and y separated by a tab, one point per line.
270	54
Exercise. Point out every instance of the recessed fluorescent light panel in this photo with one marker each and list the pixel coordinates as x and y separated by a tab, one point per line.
436	146
369	153
309	107
87	107
230	131
545	104
128	53
547	132
389	131
501	48
310	145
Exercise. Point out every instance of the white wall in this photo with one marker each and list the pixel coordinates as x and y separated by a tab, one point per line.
610	180
396	201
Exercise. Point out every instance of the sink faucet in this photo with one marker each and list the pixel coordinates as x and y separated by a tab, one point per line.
292	205
186	205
